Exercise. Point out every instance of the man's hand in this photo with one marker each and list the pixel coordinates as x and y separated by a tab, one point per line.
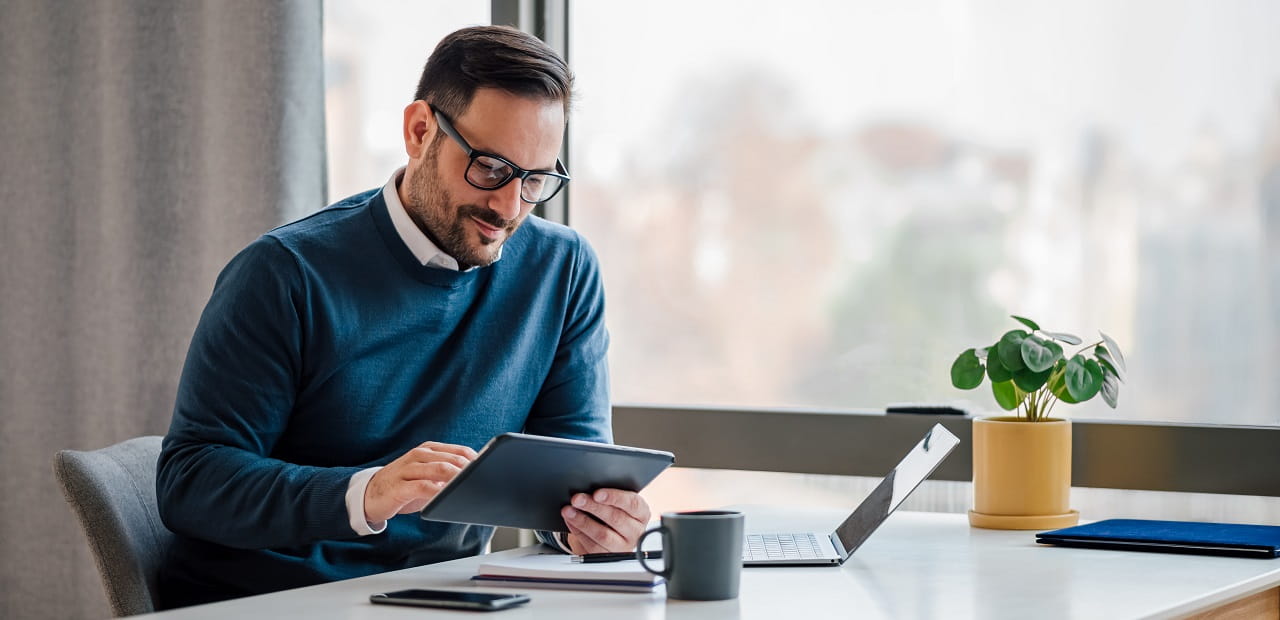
406	484
623	517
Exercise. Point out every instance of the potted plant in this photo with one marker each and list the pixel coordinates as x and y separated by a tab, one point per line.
1022	462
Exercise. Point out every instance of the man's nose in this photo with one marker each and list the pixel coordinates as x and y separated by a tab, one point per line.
506	200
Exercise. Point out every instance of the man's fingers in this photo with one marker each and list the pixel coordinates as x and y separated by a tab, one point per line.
580	542
599	533
419	494
409	482
427	455
615	519
411	491
452	448
389	496
429	486
438	471
629	502
610	518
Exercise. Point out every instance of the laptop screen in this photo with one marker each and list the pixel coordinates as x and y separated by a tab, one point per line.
890	493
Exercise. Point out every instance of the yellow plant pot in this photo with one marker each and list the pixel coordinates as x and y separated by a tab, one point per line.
1021	474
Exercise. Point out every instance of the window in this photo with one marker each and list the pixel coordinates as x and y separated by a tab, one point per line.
820	204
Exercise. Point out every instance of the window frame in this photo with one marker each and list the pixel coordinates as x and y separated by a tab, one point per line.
548	20
1133	455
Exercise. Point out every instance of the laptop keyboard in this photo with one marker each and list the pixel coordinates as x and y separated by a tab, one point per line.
780	547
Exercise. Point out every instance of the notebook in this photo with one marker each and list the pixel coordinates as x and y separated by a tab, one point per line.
832	549
557	570
1230	539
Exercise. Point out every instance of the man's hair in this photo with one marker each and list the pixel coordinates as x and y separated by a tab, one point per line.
492	57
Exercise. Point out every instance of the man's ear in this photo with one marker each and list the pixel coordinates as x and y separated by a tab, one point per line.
419	128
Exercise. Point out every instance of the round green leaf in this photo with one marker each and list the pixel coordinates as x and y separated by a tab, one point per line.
1108	369
1010	350
1096	375
1108	362
996	370
1111	390
966	371
1040	354
1115	350
1028	380
1025	321
1071	339
1006	395
1058	383
1084	378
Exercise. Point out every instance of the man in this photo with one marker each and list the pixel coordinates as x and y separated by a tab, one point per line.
434	310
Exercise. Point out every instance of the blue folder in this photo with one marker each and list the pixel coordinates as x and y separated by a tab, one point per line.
1231	539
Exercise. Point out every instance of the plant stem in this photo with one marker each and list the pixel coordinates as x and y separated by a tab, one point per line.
1053	400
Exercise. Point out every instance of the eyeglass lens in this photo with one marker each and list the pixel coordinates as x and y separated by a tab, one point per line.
488	173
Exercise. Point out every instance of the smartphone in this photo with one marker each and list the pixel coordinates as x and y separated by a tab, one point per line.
453	599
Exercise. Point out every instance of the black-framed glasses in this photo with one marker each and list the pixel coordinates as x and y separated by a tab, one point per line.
488	171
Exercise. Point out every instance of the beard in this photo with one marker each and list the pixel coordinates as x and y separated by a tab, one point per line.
430	205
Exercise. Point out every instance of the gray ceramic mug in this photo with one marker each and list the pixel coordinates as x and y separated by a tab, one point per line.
701	554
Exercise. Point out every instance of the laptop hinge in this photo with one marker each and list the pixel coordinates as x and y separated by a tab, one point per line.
840	551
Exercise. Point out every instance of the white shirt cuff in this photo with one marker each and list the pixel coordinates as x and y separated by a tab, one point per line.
355	503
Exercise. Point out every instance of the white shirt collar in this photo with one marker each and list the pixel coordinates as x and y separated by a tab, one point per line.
419	243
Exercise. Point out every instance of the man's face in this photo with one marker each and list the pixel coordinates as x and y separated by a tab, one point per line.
470	224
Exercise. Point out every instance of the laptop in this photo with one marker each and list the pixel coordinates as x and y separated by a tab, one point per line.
832	549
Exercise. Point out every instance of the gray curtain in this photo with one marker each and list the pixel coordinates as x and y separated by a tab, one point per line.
142	144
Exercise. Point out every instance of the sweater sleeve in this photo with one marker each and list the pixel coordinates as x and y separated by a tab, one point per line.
574	399
216	480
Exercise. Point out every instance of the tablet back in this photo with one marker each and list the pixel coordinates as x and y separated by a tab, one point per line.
524	480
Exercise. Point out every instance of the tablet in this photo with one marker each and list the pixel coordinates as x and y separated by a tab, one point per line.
524	480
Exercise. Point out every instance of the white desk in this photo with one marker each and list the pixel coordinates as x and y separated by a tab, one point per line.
918	565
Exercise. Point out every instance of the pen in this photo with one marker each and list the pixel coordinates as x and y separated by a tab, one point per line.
592	558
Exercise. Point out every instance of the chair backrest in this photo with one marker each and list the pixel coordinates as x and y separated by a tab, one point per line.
113	493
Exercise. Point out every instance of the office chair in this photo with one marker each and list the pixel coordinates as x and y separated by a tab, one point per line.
113	493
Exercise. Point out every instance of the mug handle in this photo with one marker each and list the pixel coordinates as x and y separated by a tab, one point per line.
665	574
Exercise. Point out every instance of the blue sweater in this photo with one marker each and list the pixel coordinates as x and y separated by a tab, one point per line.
327	348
